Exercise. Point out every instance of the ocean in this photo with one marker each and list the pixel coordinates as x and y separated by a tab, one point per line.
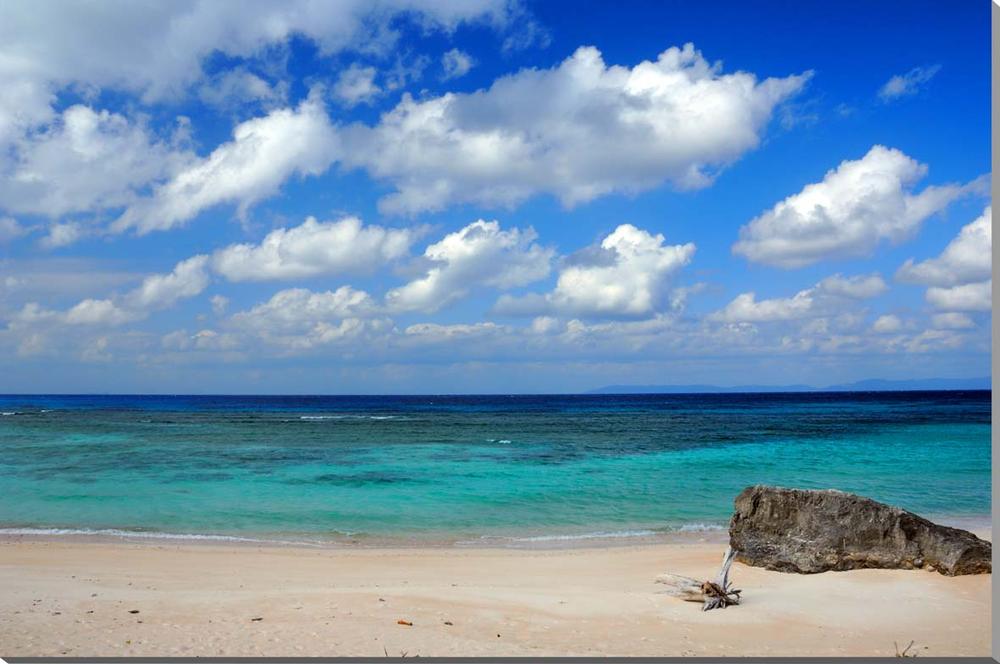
472	469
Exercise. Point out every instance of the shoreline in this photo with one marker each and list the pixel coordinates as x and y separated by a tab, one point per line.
70	598
595	540
980	525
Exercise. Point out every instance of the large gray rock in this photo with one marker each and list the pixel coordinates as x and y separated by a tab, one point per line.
793	530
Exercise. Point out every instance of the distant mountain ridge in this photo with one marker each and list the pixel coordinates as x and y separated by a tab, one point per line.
870	385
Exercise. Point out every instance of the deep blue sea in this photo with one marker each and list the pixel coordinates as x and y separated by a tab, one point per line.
472	468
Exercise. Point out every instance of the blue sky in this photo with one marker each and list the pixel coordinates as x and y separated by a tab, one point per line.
491	196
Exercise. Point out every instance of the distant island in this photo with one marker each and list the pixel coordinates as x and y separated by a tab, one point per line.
871	385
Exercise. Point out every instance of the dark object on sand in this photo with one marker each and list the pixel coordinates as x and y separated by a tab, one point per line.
404	622
794	530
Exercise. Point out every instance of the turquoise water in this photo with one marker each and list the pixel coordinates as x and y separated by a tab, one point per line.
467	468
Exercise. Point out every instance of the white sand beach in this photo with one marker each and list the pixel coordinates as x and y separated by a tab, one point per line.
113	598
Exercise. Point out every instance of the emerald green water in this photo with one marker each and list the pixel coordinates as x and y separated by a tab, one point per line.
467	468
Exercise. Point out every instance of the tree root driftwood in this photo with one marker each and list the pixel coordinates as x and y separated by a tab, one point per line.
716	594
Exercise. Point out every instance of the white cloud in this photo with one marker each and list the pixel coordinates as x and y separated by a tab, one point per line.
967	297
952	321
356	85
827	297
297	319
264	152
959	278
294	306
934	340
99	312
481	254
745	308
85	161
219	304
856	206
626	275
967	258
314	248
54	279
209	340
860	287
10	229
156	49
446	333
159	291
456	64
241	86
89	160
887	324
903	85
578	131
406	70
62	235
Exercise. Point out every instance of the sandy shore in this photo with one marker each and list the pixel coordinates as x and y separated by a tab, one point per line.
122	599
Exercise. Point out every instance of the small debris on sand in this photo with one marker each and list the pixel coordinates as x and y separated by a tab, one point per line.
448	622
404	622
256	619
134	611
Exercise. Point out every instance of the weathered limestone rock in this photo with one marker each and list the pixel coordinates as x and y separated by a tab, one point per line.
793	530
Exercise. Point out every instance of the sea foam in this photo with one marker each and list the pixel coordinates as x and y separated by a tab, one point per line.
145	534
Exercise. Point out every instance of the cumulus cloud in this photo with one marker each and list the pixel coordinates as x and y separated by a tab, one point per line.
356	85
264	152
481	254
746	308
578	131
99	312
960	277
859	287
159	291
312	249
626	275
298	319
85	161
887	324
904	85
825	298
62	235
456	64
967	258
967	297
855	207
157	49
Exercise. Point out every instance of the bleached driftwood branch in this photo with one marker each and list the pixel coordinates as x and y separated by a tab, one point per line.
716	594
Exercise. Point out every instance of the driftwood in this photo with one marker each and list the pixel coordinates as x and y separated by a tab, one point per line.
716	594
